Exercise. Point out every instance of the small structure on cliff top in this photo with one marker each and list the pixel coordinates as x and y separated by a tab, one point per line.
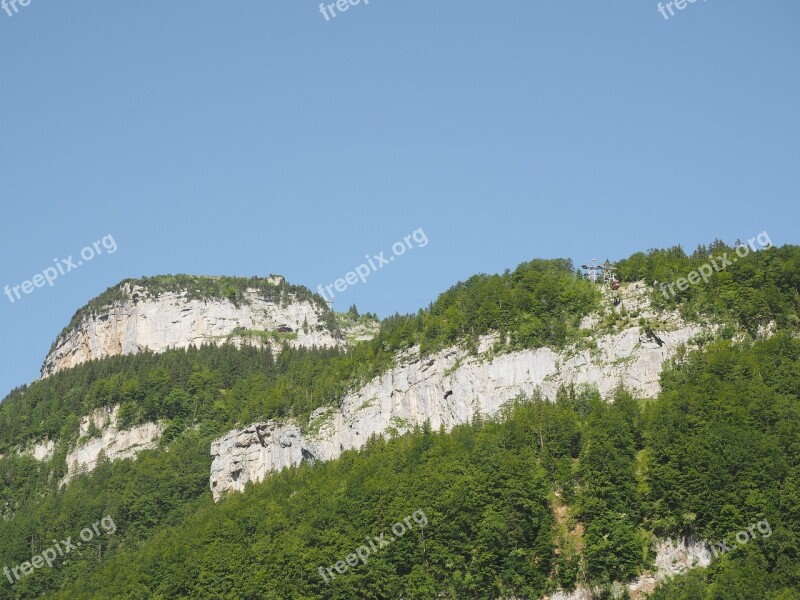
605	274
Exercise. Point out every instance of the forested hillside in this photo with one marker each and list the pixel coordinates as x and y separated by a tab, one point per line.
626	471
750	292
540	303
549	495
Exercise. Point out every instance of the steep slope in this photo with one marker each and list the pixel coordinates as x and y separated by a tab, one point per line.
487	492
450	387
713	454
175	312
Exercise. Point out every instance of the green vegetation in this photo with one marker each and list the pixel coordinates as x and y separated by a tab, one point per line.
724	442
608	501
233	387
551	494
217	387
356	327
753	292
159	489
715	453
540	303
264	336
489	530
485	489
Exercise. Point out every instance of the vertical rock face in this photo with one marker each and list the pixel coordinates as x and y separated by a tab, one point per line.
99	436
248	454
110	441
675	558
175	312
446	389
136	320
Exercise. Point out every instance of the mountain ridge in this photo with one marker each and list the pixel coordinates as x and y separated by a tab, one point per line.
163	312
567	379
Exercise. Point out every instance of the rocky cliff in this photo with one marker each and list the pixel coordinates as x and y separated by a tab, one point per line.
672	558
100	436
448	389
135	319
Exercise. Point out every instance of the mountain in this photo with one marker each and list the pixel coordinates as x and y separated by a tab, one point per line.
160	313
449	387
534	435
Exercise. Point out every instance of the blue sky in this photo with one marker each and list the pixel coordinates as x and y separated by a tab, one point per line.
250	138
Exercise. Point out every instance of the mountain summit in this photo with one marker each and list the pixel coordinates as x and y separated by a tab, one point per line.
176	311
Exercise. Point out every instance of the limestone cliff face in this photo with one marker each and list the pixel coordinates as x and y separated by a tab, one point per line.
173	320
446	389
110	441
42	450
99	435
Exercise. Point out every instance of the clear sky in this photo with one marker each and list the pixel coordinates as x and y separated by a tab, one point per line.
255	137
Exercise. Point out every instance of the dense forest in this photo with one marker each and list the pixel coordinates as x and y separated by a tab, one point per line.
547	495
750	293
715	453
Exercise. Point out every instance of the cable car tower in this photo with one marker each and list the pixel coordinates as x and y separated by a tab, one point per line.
610	276
593	270
606	275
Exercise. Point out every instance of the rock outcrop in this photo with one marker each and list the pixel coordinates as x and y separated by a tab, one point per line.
446	389
672	558
141	321
41	451
100	436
